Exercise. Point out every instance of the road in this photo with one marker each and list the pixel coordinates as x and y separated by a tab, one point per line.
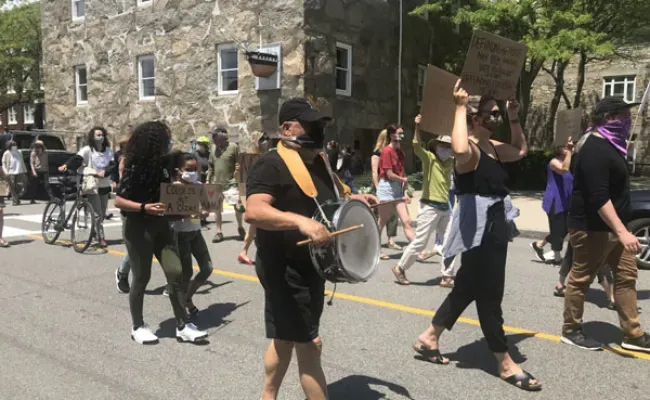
64	332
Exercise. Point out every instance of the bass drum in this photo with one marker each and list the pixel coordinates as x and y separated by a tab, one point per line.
350	257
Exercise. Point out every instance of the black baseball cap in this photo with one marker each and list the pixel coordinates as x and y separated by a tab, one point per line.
300	109
612	104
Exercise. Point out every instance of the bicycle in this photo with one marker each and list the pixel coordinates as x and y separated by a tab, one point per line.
55	220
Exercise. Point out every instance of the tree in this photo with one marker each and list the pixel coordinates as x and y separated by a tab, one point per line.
20	55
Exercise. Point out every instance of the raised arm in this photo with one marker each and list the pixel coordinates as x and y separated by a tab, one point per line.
518	148
463	152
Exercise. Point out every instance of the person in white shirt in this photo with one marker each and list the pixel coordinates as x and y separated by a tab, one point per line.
96	155
13	167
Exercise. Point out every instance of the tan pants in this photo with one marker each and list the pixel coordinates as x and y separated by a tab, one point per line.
590	250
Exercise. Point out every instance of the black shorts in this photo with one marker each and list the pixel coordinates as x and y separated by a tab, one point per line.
294	296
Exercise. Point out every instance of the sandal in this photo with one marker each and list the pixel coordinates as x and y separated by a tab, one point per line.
217	238
447	283
384	257
400	276
558	292
429	354
426	255
245	260
4	243
522	381
394	246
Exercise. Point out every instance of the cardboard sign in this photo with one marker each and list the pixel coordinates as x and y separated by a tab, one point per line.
211	197
180	199
568	123
493	66
438	108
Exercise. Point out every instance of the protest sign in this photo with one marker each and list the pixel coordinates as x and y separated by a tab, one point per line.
568	123
180	199
211	197
493	66
438	108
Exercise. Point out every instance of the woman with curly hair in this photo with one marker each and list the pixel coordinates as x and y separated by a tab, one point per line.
147	231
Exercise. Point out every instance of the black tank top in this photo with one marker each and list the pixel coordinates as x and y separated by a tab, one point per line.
489	179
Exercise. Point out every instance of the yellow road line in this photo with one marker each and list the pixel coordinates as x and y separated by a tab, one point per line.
398	307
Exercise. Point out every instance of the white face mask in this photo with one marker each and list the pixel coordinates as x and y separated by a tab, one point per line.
190	176
444	153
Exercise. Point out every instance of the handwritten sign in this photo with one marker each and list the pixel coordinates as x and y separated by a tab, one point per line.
211	197
568	123
493	66
180	199
438	108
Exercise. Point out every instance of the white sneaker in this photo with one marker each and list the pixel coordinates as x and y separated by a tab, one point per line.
438	249
190	334
143	335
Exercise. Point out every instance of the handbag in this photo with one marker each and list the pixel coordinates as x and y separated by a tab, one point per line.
90	183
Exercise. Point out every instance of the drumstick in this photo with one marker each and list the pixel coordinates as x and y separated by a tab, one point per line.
385	203
336	233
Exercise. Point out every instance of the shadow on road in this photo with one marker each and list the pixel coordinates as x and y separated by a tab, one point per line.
357	387
212	317
430	282
19	242
210	286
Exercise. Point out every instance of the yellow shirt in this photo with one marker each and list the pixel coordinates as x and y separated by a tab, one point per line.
436	174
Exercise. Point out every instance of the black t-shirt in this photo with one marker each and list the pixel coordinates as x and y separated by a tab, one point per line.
600	175
142	183
270	175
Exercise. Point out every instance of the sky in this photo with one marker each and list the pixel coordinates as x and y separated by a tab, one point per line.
13	3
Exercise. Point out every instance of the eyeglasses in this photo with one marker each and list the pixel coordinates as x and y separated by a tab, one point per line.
495	113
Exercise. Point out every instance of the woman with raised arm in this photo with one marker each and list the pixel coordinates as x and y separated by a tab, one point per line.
482	234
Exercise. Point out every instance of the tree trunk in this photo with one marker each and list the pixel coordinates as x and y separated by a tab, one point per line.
555	102
577	100
525	88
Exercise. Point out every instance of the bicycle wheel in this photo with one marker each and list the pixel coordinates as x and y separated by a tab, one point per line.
83	226
52	224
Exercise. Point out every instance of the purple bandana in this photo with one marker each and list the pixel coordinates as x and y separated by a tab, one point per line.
616	132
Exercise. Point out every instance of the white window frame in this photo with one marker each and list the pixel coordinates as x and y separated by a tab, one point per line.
28	113
145	3
274	81
609	82
146	57
76	17
78	85
12	116
11	89
220	71
348	90
422	81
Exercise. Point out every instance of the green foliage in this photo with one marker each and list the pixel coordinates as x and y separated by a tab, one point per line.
530	172
20	54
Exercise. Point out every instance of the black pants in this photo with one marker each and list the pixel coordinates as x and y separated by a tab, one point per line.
42	179
146	236
558	228
481	278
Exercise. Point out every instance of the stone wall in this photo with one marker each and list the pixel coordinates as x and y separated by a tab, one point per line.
183	35
371	27
635	62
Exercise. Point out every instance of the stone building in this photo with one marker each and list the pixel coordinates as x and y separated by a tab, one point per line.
121	62
627	76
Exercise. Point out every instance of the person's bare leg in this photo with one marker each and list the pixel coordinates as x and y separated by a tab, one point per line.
248	241
2	223
276	363
431	337
240	220
507	367
403	215
312	377
609	290
218	220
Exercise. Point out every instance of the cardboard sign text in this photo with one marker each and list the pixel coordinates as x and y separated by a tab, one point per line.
438	108
180	199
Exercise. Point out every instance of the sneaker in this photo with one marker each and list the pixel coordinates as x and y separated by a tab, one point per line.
641	343
438	249
190	333
555	263
122	282
143	335
578	339
539	252
166	292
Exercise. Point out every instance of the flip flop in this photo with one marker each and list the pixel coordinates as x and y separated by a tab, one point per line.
448	285
4	243
431	355
245	261
522	381
218	238
558	292
394	246
400	276
427	255
384	257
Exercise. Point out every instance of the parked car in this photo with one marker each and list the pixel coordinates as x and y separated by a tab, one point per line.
640	225
56	152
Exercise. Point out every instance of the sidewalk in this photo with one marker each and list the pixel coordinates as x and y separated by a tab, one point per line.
532	221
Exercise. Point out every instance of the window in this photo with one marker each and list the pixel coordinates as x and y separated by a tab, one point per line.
28	113
343	69
422	79
81	83
13	120
147	77
144	2
620	86
78	9
10	89
228	68
273	81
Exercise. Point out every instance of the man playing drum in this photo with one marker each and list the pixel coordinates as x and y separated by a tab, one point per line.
282	213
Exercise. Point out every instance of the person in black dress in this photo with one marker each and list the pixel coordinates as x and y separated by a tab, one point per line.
480	178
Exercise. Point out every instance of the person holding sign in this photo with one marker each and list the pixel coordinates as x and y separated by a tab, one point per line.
481	239
147	231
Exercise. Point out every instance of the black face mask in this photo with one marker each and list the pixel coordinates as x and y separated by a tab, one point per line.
314	137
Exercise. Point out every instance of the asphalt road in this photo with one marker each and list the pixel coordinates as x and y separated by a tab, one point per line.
64	332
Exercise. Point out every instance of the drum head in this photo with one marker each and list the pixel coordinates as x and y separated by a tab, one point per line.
358	250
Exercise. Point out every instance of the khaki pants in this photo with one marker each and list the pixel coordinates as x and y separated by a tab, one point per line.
590	250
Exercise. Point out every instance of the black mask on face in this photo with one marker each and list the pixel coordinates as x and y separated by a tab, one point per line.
493	121
314	136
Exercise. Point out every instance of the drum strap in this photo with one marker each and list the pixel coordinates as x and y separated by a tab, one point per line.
298	170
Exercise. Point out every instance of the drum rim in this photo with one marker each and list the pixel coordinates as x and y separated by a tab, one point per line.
351	275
